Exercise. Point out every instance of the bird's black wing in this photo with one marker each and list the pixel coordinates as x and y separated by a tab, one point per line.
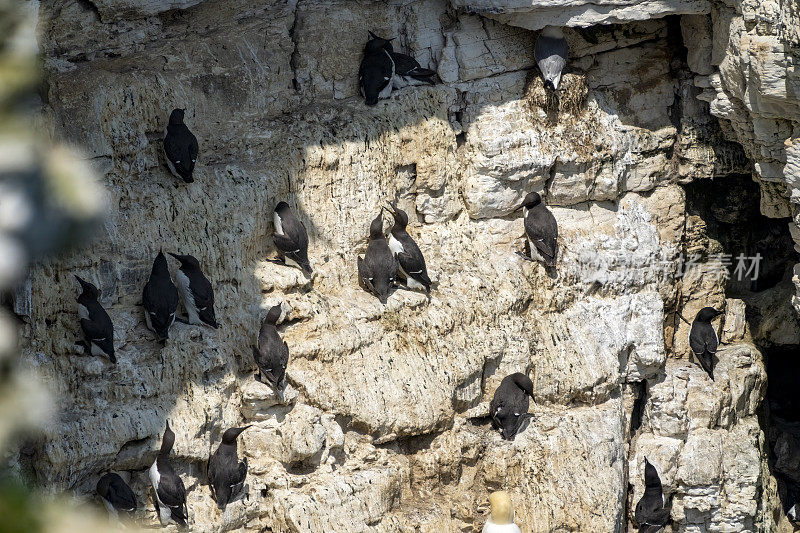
292	248
211	474
374	75
702	338
121	496
180	147
365	275
160	299
193	150
171	492
542	230
413	262
96	332
238	484
405	65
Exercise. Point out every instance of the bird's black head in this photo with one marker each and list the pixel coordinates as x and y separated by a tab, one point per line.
160	266
274	314
377	44
168	441
532	199
651	478
523	382
89	290
376	227
400	216
230	435
188	262
707	314
282	208
176	117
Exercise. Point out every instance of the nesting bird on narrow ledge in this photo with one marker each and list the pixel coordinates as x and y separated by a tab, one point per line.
226	474
408	255
501	519
272	353
541	229
291	238
180	147
116	494
509	406
196	291
378	270
98	330
168	486
651	514
551	52
703	339
376	71
160	299
407	70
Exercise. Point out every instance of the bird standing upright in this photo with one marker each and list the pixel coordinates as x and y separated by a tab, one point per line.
168	486
180	147
272	353
226	474
408	254
651	514
509	405
703	339
378	270
196	291
541	229
98	330
291	238
160	299
376	71
551	52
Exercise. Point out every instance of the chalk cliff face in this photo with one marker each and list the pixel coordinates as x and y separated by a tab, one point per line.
384	425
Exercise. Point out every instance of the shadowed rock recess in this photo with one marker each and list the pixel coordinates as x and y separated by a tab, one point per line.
669	110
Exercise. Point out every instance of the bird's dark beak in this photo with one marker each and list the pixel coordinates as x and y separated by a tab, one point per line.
176	256
371	35
720	313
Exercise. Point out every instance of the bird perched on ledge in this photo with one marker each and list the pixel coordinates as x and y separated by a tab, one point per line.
551	54
196	291
541	230
703	339
651	514
291	238
376	71
117	495
168	486
509	405
407	70
408	255
98	330
226	474
272	353
180	147
160	299
378	270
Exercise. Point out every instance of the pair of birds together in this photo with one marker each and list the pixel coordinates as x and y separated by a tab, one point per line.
226	477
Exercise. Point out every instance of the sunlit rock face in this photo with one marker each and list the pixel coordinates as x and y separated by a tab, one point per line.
384	424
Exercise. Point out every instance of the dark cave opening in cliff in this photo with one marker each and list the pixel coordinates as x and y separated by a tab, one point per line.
724	215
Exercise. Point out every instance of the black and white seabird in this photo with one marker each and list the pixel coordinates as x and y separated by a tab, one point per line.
407	70
703	339
168	486
291	238
408	254
272	353
116	494
376	71
541	229
509	406
98	331
551	54
196	291
180	147
160	299
651	514
378	270
226	474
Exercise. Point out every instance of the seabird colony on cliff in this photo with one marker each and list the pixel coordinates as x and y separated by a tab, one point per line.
381	70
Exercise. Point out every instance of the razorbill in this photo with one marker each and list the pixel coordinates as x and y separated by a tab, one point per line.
501	519
541	229
551	54
196	291
509	406
116	494
98	331
378	269
272	353
168	486
703	339
407	253
651	514
160	299
291	238
376	71
180	147
225	473
407	70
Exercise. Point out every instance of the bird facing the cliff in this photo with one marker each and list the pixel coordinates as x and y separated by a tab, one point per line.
376	71
196	291
291	238
168	486
98	330
180	147
551	54
378	270
703	339
651	514
160	299
407	70
116	494
408	255
509	405
501	519
226	474
272	353
541	229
